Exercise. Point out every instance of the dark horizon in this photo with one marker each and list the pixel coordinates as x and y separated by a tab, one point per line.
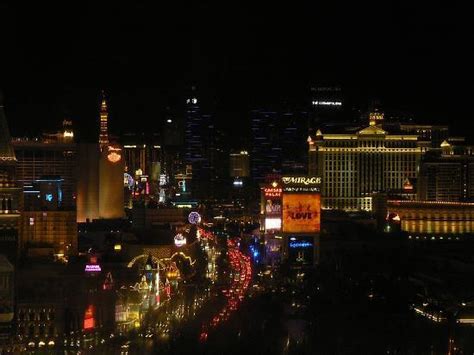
413	58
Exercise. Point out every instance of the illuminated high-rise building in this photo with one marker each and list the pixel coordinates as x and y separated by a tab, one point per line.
277	142
203	149
239	164
447	174
50	154
10	192
354	166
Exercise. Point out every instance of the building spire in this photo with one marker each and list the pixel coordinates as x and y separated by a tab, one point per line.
7	154
104	118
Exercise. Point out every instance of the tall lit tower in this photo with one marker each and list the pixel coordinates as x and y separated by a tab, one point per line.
104	118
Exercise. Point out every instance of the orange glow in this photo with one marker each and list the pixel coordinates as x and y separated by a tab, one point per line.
114	157
301	213
89	320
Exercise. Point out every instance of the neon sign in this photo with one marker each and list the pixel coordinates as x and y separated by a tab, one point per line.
114	157
93	268
194	218
301	180
179	240
296	244
272	192
89	319
114	154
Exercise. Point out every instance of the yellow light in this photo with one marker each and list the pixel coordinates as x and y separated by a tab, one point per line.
118	247
114	157
68	134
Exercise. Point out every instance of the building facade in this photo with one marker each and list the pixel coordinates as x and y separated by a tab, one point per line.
49	155
277	142
447	175
10	193
239	164
444	219
355	166
101	177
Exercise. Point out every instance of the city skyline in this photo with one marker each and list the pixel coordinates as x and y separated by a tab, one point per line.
281	178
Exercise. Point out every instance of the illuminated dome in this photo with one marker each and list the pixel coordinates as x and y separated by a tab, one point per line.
445	144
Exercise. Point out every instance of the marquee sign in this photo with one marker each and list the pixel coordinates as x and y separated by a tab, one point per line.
114	154
302	184
272	191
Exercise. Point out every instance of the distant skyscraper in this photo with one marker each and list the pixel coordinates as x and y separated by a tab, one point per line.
10	192
266	144
239	164
327	105
276	142
201	151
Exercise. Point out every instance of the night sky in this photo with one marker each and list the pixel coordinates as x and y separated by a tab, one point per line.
56	57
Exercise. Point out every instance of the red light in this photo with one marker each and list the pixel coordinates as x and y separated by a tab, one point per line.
89	320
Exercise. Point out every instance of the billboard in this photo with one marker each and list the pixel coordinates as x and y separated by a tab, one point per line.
301	213
301	250
272	223
272	208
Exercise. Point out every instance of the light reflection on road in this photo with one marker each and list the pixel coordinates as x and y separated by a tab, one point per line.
240	277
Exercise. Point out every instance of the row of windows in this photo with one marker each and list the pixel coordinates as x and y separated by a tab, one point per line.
378	143
33	315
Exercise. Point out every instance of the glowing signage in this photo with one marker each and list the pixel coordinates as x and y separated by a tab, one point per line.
128	181
301	213
300	244
272	207
272	191
179	240
273	223
93	268
301	180
238	183
114	157
194	218
89	320
301	184
301	250
163	179
407	186
49	197
114	154
327	103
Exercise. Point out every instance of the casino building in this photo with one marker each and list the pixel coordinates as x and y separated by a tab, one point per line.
354	166
10	193
100	191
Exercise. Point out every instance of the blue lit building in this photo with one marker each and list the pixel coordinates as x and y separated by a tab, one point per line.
278	142
203	148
